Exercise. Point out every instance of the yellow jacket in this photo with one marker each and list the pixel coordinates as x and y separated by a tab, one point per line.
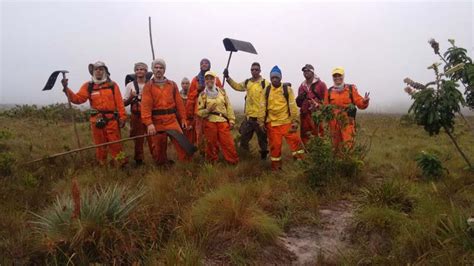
254	97
278	107
223	107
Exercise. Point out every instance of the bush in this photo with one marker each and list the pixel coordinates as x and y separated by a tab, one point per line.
7	162
52	112
101	234
390	194
322	165
233	208
430	165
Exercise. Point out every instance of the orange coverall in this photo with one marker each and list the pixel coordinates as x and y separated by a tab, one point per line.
137	128
195	134
163	107
342	132
106	99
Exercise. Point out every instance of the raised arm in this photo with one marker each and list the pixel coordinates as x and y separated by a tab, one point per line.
81	96
359	101
236	86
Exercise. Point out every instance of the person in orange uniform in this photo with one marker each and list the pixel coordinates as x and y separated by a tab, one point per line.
310	96
281	119
163	109
107	110
194	133
346	99
218	120
133	97
184	89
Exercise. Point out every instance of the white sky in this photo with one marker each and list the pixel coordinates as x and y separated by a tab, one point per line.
378	43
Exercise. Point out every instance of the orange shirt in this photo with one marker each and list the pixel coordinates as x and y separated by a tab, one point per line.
162	97
343	99
104	97
191	102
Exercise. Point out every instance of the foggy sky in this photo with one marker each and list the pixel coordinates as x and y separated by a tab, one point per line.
379	44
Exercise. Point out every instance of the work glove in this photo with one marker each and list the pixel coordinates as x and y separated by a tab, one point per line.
226	73
65	84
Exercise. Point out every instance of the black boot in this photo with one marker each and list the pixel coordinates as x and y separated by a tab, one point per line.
263	155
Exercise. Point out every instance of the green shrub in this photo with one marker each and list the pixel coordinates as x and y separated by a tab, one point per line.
7	162
389	194
52	112
322	165
430	165
233	208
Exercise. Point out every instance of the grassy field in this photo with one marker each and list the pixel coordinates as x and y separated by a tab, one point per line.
218	214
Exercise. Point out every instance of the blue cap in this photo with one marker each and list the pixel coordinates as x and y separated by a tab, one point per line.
275	72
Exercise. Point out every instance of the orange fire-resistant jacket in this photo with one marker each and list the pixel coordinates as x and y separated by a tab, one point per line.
105	97
162	97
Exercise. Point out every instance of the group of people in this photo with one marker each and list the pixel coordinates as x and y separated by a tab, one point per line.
203	113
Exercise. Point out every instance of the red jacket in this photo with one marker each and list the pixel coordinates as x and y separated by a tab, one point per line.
316	91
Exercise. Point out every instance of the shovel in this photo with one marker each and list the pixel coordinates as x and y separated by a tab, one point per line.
49	85
232	45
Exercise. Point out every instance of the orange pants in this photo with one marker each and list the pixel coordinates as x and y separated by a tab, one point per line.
111	132
308	127
275	137
218	134
138	128
196	135
342	134
160	144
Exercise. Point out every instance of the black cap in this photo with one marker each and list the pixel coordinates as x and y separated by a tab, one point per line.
307	66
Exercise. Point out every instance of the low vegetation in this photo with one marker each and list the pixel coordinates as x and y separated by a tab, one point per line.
69	210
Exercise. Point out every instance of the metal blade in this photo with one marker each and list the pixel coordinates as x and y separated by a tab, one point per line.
52	79
232	45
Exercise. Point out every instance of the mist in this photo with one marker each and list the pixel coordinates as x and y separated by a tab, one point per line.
378	43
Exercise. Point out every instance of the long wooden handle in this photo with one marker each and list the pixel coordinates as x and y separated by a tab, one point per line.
227	67
73	116
86	148
151	38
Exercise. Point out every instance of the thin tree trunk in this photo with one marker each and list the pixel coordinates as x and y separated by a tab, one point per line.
466	122
458	148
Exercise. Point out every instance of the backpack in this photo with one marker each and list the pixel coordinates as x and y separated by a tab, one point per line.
285	94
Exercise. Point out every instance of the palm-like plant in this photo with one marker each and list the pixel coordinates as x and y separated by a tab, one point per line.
100	227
